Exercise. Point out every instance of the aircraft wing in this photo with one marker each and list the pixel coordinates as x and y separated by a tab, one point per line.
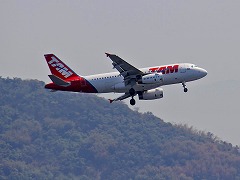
125	69
124	96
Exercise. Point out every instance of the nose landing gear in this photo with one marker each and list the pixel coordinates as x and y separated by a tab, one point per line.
184	86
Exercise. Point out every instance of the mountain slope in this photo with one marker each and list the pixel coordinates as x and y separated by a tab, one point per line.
65	135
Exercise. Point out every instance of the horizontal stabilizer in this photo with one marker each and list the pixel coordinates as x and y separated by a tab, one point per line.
58	81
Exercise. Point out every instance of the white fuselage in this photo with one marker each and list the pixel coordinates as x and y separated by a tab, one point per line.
171	74
145	82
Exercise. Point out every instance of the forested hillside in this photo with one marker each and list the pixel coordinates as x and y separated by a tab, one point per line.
61	135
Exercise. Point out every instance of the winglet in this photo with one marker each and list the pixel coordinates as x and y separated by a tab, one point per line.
110	100
107	54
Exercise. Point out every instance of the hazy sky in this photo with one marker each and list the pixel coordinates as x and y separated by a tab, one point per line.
144	33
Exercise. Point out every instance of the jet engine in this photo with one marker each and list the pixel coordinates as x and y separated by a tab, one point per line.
151	79
151	94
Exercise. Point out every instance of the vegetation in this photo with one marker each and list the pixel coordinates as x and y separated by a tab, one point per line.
62	135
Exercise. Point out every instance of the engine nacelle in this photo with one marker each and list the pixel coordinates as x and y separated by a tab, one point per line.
151	94
151	79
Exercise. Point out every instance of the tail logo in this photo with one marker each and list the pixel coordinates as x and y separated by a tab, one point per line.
60	67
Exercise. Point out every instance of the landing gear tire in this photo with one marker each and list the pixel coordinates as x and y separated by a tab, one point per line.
184	86
132	92
132	102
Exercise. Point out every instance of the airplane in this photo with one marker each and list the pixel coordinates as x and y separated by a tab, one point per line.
145	82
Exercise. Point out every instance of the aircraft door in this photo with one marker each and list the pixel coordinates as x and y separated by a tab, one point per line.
182	68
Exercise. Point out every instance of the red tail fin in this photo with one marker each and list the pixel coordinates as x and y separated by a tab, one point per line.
58	68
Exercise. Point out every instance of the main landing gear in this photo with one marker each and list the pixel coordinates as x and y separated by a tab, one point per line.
184	86
132	93
132	102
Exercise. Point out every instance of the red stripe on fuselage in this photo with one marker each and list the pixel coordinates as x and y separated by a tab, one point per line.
165	69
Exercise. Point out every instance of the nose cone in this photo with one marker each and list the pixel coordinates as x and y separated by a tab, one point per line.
199	72
203	72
